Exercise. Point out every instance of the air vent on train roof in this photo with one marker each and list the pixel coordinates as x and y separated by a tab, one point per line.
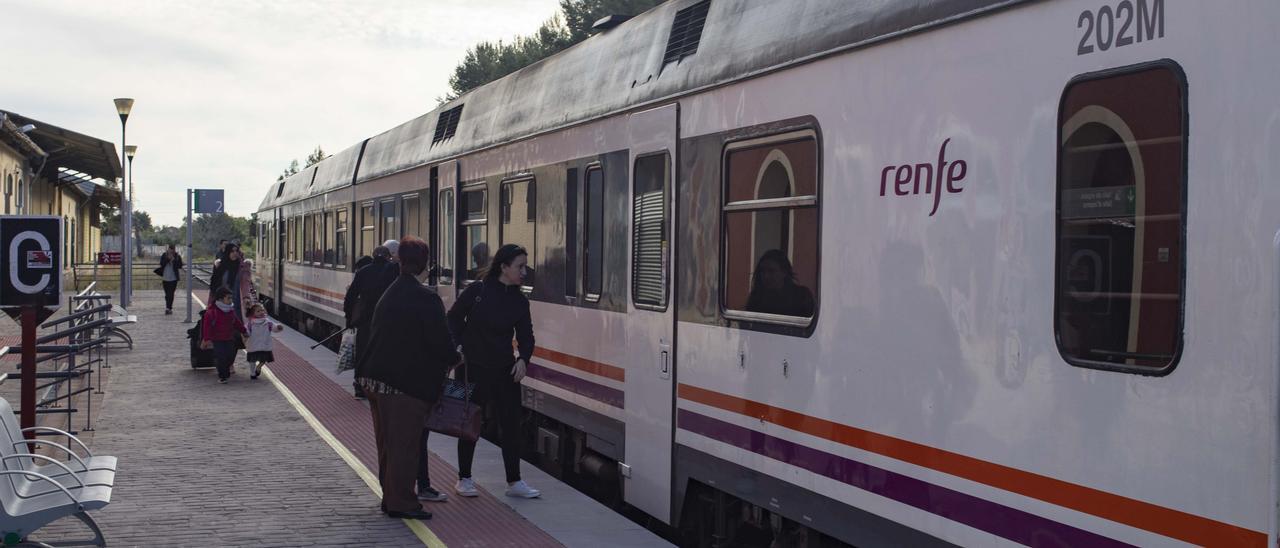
686	32
447	124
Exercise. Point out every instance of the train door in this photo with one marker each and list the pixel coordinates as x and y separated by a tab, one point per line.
277	292
446	244
650	323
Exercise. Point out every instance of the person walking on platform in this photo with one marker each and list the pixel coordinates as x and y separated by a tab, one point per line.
367	286
170	271
259	348
484	318
235	274
402	371
219	329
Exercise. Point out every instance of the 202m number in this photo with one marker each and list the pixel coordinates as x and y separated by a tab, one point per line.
1131	21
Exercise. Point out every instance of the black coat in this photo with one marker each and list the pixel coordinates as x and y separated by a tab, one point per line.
367	286
409	344
485	317
177	265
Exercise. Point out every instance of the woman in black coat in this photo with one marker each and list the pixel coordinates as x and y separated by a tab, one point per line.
170	271
485	318
410	351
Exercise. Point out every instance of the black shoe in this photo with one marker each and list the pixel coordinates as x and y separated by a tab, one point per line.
359	392
412	514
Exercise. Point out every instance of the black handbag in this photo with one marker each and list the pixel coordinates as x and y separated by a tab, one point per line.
454	414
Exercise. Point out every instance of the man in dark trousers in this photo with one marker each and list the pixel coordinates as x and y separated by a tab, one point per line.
368	285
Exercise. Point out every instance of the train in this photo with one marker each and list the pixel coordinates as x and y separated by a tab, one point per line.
826	273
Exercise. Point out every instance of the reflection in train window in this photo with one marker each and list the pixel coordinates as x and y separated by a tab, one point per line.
519	213
340	239
650	246
412	217
475	223
447	247
1121	182
368	231
571	241
770	225
593	233
308	243
290	239
328	238
390	228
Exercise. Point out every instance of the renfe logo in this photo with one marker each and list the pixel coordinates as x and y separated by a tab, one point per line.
14	276
907	177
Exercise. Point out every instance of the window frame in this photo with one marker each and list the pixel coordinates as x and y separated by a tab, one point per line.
505	218
308	230
668	211
448	227
483	188
1181	78
328	253
341	238
584	234
368	211
403	223
385	204
789	135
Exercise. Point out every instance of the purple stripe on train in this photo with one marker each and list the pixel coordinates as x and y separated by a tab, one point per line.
578	385
1013	524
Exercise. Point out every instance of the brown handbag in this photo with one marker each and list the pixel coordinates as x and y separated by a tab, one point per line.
454	414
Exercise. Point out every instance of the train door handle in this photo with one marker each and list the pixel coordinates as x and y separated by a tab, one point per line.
664	370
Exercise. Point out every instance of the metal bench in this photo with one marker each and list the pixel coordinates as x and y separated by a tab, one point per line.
36	490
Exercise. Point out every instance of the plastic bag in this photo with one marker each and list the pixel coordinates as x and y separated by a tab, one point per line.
347	351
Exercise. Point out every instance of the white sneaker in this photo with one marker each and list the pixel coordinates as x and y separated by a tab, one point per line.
520	489
466	487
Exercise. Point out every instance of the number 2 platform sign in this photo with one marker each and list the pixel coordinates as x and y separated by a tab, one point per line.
30	252
208	201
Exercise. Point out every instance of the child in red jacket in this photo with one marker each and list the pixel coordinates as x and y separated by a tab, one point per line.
221	326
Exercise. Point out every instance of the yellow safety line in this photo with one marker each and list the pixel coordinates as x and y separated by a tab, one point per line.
420	529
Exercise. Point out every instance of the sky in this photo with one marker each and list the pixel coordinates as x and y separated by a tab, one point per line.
228	92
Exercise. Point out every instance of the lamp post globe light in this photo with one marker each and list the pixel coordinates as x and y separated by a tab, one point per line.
123	106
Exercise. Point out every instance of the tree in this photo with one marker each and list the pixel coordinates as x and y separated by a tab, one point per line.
141	225
209	228
289	171
314	158
489	61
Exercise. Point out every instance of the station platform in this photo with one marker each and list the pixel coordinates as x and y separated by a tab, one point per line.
289	460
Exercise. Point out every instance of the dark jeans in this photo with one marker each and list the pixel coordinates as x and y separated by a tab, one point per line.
224	354
400	419
501	397
169	288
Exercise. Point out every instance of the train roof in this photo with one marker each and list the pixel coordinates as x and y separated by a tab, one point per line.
629	66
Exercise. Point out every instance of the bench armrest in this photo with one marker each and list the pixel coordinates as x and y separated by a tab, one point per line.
50	459
60	433
45	478
83	466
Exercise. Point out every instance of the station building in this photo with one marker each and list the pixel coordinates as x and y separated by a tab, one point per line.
49	170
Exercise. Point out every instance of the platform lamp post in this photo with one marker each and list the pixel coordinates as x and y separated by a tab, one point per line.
129	151
123	106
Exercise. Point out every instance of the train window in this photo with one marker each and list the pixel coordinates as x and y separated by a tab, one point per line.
308	239
328	236
519	220
770	229
412	217
447	243
1120	220
390	229
368	231
475	222
649	237
593	233
571	242
291	235
341	229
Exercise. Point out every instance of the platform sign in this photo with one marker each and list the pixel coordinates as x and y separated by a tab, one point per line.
208	201
30	252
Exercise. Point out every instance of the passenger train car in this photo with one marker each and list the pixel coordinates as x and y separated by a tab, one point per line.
976	272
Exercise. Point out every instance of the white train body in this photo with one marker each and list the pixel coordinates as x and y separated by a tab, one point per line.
949	384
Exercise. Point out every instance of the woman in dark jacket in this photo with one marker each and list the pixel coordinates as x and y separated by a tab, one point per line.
170	272
410	351
485	317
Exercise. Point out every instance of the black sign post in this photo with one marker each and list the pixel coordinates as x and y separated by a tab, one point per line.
30	287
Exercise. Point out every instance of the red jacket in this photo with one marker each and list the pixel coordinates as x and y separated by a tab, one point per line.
220	326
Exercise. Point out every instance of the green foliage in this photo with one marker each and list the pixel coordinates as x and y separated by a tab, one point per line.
289	171
489	61
211	227
314	158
